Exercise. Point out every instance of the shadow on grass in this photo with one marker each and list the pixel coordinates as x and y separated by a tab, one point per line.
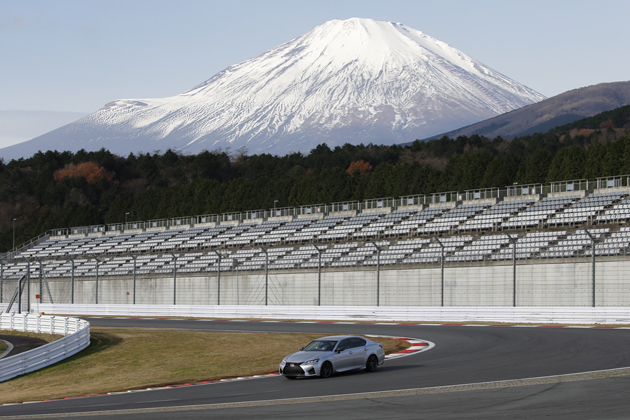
99	341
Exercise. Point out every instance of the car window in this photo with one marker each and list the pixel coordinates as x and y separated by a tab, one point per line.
358	342
345	344
320	345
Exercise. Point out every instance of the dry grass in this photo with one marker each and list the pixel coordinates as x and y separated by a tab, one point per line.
122	359
3	347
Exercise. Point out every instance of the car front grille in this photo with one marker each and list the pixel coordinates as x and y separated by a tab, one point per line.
293	369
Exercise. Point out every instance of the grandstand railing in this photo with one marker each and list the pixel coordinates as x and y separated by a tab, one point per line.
53	232
517	190
445	197
483	194
378	203
345	206
413	200
281	212
83	230
314	209
569	186
612	182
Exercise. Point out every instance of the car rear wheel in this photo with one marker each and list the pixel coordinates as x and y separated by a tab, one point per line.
371	364
326	370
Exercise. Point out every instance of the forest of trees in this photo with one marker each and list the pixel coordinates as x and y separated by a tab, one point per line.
63	189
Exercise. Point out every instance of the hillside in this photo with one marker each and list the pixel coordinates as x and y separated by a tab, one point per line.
549	113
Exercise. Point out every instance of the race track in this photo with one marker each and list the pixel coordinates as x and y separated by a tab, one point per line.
462	355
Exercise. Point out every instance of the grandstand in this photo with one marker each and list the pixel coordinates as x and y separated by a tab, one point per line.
570	219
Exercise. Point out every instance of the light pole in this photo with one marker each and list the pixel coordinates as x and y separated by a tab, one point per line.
126	214
14	219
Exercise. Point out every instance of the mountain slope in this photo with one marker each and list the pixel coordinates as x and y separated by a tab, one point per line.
356	80
550	113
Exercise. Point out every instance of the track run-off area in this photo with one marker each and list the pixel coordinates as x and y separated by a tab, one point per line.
473	371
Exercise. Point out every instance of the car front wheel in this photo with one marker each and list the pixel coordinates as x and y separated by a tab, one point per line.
326	370
372	364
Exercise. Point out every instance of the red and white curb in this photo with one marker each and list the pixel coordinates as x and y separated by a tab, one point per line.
417	346
448	324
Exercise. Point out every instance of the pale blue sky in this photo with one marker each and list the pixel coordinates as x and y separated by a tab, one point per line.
75	56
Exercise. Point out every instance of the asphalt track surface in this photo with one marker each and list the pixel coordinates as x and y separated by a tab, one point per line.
401	388
22	344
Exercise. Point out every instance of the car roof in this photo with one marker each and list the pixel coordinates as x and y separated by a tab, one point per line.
340	337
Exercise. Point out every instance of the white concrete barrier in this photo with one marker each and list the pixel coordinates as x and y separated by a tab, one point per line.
77	337
459	314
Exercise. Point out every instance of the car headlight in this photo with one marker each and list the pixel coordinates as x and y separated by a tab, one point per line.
311	362
284	362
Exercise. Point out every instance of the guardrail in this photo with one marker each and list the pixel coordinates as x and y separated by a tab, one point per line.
77	337
457	314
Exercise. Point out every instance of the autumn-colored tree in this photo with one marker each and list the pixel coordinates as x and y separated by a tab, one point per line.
359	167
91	171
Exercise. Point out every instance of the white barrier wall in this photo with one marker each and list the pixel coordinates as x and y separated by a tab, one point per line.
538	315
539	283
76	337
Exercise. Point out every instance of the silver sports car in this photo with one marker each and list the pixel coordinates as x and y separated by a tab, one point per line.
328	355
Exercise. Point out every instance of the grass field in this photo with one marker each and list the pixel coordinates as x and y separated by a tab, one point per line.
123	359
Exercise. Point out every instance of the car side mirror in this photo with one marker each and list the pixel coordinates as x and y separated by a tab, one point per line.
301	348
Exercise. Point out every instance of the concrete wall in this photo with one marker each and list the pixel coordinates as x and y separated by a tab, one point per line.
539	283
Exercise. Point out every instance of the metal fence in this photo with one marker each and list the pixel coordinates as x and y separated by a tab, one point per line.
582	281
76	334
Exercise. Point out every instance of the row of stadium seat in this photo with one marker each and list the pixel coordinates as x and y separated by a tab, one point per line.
551	244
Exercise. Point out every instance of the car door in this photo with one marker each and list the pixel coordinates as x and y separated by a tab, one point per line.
344	357
359	352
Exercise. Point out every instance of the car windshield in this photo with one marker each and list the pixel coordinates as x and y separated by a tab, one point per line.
320	345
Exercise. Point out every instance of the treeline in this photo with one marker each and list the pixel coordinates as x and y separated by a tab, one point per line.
63	189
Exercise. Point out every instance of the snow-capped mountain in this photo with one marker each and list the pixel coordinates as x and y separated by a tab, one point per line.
355	80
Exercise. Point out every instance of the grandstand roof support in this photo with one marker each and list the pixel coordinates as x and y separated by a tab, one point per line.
41	289
378	272
513	240
134	277
592	263
218	278
42	279
441	269
266	275
72	280
96	289
28	288
319	275
174	278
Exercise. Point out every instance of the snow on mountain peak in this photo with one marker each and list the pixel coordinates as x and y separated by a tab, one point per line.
354	80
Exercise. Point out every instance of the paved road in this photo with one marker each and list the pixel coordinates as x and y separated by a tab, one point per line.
21	344
463	355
